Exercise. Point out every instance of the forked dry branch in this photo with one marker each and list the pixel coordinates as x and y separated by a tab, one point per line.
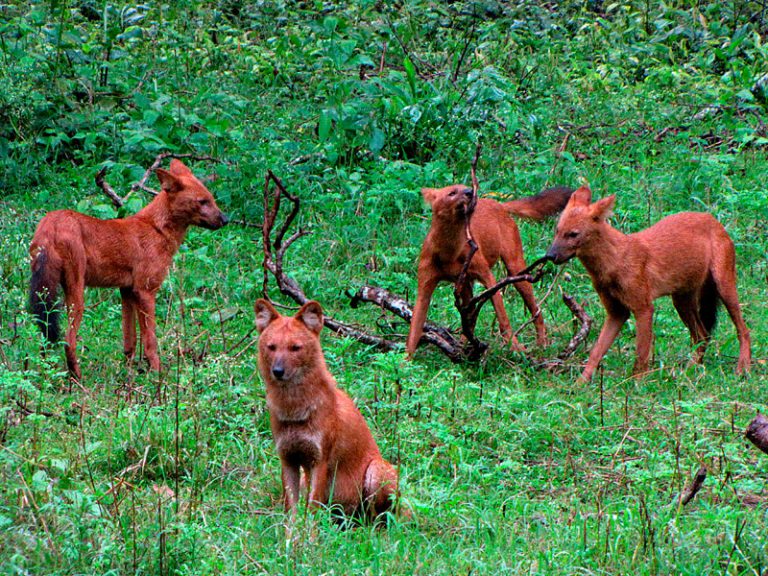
118	201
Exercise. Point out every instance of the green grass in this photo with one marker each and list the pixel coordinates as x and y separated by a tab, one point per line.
507	468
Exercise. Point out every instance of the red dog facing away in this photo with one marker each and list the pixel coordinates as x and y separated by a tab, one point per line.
688	256
73	251
445	250
316	426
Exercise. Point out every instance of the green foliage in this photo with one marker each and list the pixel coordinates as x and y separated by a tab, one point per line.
507	468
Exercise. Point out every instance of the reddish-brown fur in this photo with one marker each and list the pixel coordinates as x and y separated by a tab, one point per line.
316	426
445	250
688	256
73	251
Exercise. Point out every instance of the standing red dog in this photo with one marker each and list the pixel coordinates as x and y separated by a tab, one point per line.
688	256
493	227
317	428
73	251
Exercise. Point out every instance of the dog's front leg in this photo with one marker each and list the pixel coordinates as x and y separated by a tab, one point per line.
318	484
146	313
611	327
644	322
291	486
427	285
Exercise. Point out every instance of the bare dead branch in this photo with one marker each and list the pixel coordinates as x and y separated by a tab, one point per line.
585	325
142	184
462	290
693	488
119	202
757	432
273	262
101	182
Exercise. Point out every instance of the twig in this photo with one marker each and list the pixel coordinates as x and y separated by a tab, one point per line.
584	327
469	37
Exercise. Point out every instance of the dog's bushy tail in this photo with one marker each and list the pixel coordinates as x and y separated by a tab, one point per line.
709	301
43	301
543	205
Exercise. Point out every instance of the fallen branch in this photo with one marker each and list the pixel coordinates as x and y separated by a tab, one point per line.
438	336
757	432
693	488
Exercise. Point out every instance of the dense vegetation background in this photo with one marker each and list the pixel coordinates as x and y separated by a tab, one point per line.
506	467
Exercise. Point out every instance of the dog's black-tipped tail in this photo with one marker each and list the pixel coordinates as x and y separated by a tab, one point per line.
43	301
546	203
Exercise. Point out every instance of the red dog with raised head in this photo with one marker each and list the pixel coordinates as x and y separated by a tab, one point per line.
316	426
493	227
73	251
688	256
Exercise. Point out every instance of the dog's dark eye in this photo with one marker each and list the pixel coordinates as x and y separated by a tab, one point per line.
453	193
271	347
294	347
204	202
572	234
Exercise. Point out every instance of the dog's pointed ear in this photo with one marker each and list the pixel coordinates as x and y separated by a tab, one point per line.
265	314
311	315
429	194
168	181
582	196
603	208
179	168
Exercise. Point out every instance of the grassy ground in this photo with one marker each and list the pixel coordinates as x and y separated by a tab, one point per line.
507	468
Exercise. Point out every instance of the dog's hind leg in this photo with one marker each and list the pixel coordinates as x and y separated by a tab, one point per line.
379	486
723	271
514	264
129	322
487	279
687	308
146	312
74	289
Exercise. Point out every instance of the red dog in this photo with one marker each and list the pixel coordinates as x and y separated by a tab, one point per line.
73	251
445	250
688	256
316	426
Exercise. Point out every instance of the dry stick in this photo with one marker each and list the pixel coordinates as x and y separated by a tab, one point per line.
118	202
693	488
540	303
142	184
584	327
273	262
463	284
757	432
